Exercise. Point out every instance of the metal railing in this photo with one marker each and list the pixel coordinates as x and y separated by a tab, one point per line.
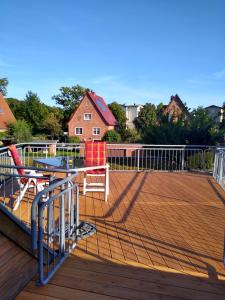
11	186
219	167
49	220
180	158
50	217
219	175
129	157
54	225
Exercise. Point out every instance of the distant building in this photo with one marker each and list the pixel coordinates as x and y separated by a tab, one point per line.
215	112
92	119
6	115
132	112
175	109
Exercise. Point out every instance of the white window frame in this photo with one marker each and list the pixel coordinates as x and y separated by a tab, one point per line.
78	128
93	130
87	119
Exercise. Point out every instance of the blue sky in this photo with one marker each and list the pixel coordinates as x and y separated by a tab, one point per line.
125	50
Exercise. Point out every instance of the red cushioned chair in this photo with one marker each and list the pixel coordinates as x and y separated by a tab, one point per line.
95	155
25	183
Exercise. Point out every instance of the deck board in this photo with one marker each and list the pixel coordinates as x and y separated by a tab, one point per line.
159	236
17	267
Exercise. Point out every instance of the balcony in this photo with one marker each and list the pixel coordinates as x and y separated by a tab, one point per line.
159	236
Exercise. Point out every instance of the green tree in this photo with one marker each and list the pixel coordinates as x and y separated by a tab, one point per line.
119	114
69	98
3	86
131	135
20	131
52	126
112	136
166	133
147	117
202	128
36	112
57	111
17	107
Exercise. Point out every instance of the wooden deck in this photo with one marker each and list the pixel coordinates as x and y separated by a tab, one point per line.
17	267
160	236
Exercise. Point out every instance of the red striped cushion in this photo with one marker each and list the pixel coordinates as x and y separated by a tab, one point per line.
95	155
16	158
18	162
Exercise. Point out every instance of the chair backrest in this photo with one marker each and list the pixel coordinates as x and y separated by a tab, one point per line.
95	153
16	159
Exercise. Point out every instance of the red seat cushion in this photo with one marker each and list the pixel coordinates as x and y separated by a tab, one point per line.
18	162
16	158
95	155
97	172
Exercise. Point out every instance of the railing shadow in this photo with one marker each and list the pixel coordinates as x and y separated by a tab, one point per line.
101	278
220	196
183	255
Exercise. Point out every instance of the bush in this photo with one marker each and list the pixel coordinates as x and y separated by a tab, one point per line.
3	134
131	135
74	139
19	131
112	136
40	137
201	161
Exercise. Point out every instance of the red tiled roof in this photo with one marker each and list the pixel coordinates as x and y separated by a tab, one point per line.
6	116
103	109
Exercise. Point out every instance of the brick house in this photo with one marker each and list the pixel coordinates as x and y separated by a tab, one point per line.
92	119
6	115
175	109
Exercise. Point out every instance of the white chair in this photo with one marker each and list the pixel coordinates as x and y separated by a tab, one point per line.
95	155
37	184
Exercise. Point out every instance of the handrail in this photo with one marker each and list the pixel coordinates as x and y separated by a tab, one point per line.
38	200
109	145
52	232
38	169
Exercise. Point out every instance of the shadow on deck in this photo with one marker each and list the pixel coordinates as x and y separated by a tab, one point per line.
160	235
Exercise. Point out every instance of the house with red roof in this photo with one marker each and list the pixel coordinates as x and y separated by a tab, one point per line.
92	119
6	115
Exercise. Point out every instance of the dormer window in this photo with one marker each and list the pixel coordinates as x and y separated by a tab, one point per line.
87	117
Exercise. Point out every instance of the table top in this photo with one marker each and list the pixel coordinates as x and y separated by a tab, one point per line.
67	163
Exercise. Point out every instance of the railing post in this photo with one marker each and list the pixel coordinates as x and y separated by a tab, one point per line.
46	151
77	211
215	165
138	159
62	223
50	212
182	159
221	170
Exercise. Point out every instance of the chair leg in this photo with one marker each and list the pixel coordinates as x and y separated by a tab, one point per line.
106	184
105	192
84	184
20	197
